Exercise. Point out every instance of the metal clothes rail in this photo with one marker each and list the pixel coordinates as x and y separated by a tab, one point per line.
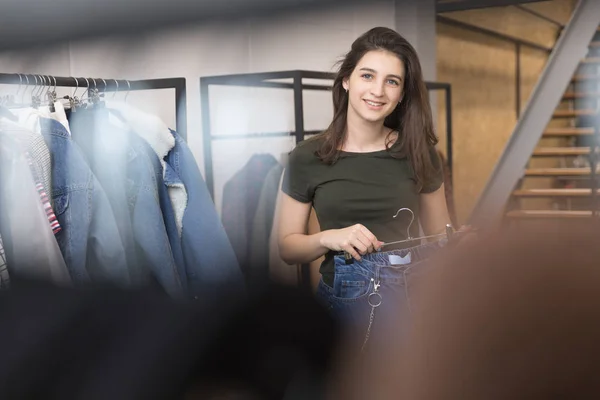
109	84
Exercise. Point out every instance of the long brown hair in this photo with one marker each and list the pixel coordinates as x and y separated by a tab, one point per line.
411	118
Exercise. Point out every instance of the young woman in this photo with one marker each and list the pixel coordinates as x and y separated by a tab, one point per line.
377	156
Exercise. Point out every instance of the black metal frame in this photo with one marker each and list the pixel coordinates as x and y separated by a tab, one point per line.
266	80
104	84
497	35
466	5
540	16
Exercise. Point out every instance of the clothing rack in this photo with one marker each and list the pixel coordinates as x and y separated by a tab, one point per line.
106	85
268	80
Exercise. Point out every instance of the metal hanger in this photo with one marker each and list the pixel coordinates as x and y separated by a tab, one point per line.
448	233
6	113
128	90
117	90
51	96
25	90
19	88
36	92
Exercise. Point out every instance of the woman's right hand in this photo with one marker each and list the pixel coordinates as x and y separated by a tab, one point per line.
351	239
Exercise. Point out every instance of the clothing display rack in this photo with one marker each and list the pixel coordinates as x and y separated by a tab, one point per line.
106	85
266	80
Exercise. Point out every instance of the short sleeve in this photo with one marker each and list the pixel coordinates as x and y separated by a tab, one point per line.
435	181
296	176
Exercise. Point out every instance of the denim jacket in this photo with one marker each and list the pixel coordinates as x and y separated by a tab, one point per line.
168	215
89	239
128	178
209	257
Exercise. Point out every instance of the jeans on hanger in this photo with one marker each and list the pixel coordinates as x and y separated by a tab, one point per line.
372	297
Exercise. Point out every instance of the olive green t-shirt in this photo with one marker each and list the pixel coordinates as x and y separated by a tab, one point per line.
359	188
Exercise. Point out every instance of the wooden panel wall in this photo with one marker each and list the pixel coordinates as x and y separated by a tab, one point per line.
482	72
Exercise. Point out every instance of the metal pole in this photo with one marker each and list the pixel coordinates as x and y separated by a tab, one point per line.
181	109
298	107
539	15
207	137
488	32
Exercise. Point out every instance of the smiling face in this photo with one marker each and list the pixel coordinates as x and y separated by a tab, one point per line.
375	86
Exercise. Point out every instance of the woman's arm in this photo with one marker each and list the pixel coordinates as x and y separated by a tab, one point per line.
297	247
434	211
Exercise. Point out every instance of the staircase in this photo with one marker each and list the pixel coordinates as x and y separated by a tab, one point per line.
562	178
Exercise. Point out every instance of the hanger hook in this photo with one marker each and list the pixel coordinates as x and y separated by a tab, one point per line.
87	85
128	90
116	91
25	90
40	90
47	83
20	83
34	88
412	219
39	87
54	90
76	87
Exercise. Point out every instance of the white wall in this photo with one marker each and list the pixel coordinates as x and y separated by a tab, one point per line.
312	41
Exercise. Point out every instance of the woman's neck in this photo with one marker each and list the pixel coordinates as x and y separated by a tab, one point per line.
364	136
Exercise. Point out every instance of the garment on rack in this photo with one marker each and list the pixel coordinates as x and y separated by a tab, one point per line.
374	293
89	238
168	215
126	174
240	200
29	117
209	257
34	144
52	220
158	135
258	267
35	252
149	135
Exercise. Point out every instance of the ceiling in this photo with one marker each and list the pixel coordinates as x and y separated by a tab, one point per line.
32	22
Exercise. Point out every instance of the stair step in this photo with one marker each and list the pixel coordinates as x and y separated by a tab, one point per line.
549	214
585	77
573	113
580	95
561	151
591	60
553	192
558	171
568	131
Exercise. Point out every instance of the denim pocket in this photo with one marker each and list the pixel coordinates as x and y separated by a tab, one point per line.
61	203
351	287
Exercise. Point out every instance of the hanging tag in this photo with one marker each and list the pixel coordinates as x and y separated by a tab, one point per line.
399	260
